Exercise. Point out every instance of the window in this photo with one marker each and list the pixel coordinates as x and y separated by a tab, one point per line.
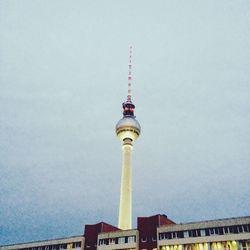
246	228
202	232
112	241
131	239
168	236
188	247
231	229
62	246
214	246
240	229
213	231
153	239
161	236
244	245
103	242
221	231
121	240
76	244
69	246
180	234
193	233
143	239
226	230
174	235
185	234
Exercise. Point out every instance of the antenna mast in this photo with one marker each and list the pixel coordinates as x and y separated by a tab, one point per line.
129	74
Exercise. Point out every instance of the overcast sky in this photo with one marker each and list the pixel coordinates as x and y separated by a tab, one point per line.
63	78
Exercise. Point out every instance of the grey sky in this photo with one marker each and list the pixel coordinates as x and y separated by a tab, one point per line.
63	71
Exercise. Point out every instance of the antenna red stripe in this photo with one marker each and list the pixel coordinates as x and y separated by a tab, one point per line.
129	74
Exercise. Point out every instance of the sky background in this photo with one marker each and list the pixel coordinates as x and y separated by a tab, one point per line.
63	78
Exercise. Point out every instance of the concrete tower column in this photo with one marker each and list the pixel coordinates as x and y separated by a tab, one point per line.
128	130
125	208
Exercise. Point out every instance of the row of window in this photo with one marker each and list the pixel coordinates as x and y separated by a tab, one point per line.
56	246
117	240
148	239
226	245
206	232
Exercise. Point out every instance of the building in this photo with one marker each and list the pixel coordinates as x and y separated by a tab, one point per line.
224	234
143	237
156	232
75	243
91	233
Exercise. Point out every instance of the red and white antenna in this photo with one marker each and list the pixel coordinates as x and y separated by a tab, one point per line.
129	74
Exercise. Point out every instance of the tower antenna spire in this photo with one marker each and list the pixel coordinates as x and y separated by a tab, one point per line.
129	74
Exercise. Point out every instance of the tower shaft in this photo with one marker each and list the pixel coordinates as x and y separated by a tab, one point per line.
125	209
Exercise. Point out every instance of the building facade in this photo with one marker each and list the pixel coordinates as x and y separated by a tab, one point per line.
224	234
70	243
156	232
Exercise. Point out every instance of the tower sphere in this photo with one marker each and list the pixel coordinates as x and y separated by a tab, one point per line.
128	128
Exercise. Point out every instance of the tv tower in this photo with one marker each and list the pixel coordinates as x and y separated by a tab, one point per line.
127	129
